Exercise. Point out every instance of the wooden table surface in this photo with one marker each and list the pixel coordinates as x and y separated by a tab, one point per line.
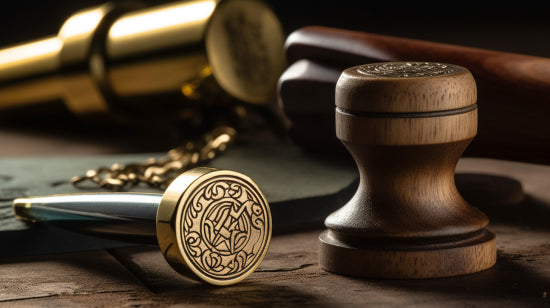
290	276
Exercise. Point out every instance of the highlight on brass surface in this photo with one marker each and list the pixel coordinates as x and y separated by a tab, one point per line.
118	58
222	227
212	225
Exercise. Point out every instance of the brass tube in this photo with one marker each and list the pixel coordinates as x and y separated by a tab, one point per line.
39	57
132	60
166	26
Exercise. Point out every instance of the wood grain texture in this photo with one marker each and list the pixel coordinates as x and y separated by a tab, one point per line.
407	218
406	194
71	275
290	276
390	87
406	130
464	257
513	89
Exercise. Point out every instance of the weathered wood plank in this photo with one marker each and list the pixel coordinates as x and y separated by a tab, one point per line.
63	279
290	276
508	192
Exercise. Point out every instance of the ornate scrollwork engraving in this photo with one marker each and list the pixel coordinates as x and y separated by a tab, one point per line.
407	69
226	229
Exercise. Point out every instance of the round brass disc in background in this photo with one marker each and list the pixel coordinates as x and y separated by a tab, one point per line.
244	45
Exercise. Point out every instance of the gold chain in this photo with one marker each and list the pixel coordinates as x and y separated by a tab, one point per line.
224	114
159	173
203	99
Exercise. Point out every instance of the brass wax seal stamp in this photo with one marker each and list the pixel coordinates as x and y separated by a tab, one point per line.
406	124
211	225
222	225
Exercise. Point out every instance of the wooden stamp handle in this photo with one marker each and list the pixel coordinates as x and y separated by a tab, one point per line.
513	89
406	124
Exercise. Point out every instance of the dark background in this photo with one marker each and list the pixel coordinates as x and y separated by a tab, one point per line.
515	26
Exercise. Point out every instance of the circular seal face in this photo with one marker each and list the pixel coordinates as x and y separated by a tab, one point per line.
407	69
224	227
244	45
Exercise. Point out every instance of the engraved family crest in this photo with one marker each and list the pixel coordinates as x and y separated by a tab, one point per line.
225	227
407	69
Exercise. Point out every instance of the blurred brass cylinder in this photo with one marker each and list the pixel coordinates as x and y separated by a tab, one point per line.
124	60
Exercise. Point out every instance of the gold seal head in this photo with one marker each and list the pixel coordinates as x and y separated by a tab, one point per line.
214	225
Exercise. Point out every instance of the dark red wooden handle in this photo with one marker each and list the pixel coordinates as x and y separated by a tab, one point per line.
513	89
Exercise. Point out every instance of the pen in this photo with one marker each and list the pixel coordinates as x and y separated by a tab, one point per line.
211	225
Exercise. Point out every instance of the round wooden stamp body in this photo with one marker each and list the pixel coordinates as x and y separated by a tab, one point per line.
406	124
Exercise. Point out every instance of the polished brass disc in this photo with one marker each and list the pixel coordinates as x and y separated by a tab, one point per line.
214	225
244	45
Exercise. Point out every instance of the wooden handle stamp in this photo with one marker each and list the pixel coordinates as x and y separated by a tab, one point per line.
406	124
